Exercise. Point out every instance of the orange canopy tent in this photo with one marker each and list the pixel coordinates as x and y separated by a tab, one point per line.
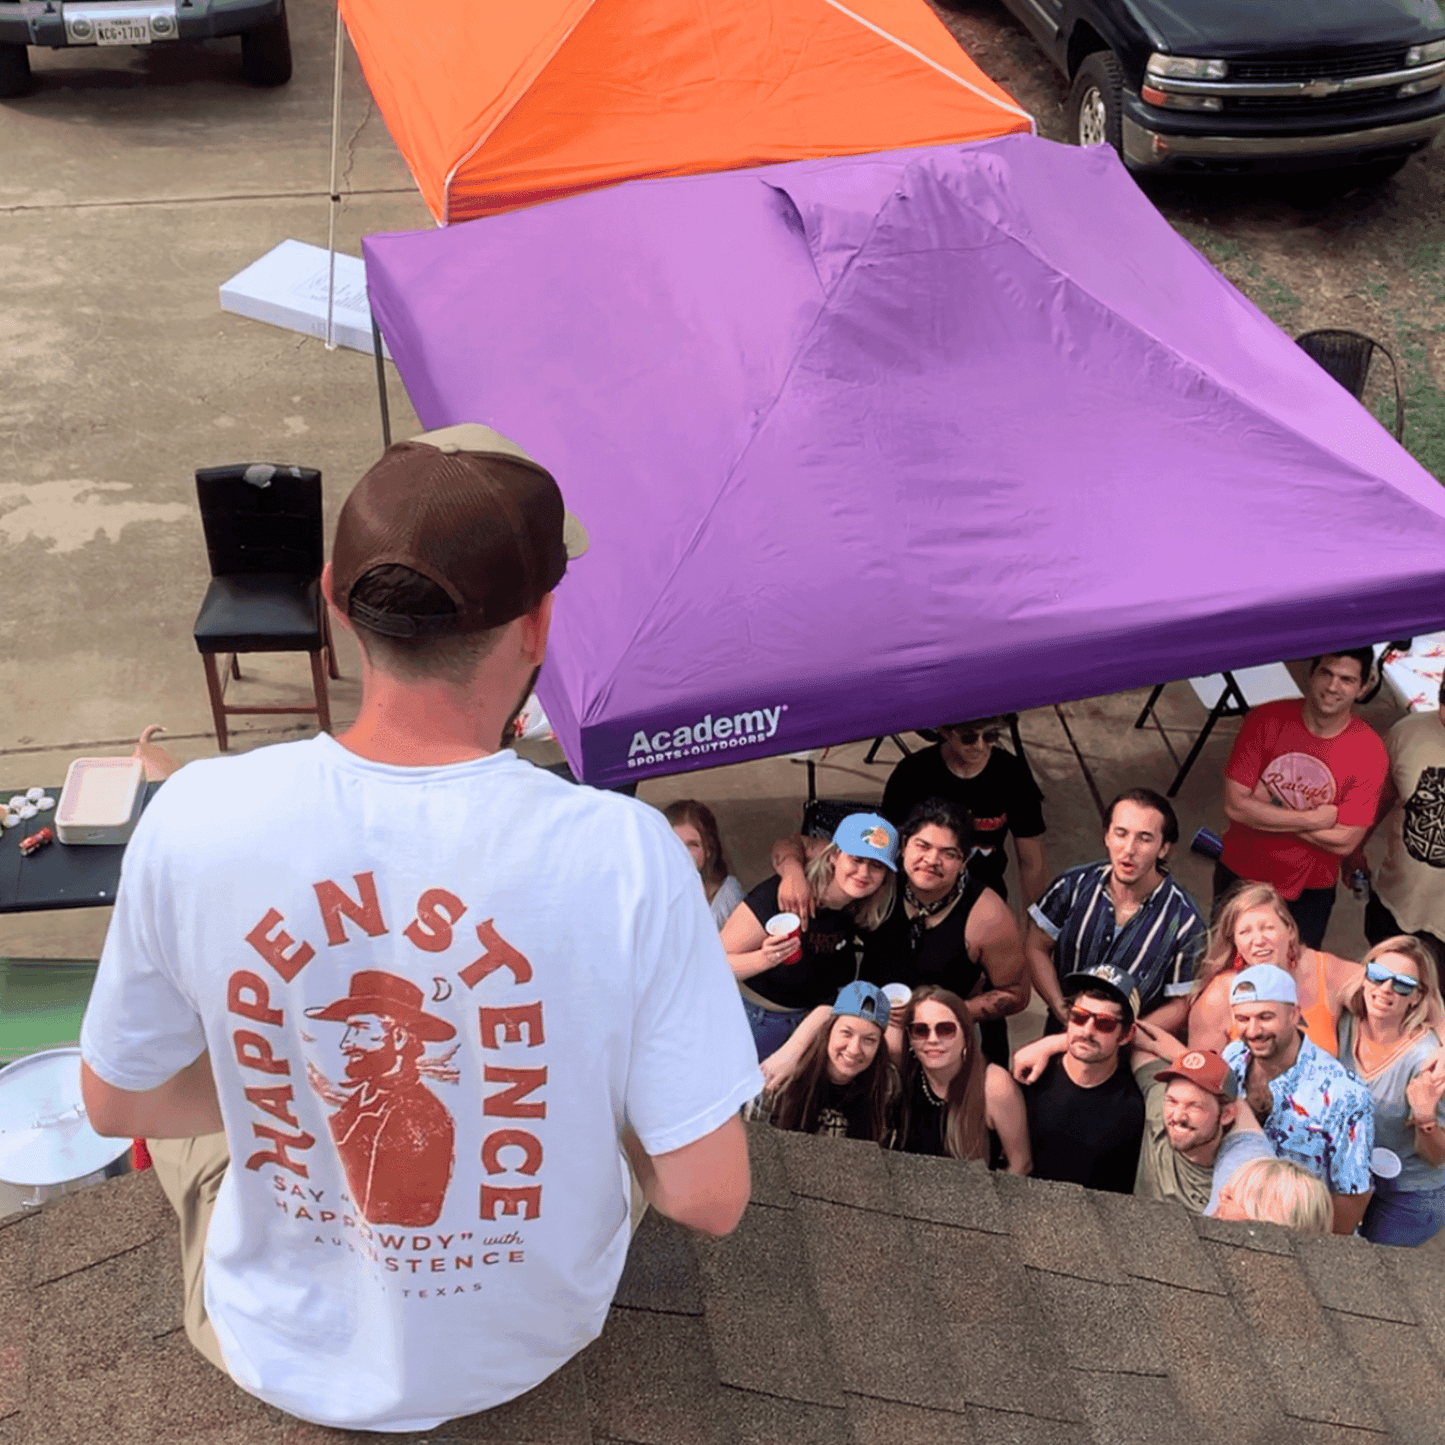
500	105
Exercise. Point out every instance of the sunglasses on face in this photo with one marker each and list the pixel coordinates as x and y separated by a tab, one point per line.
968	736
944	1031
1103	1023
1400	982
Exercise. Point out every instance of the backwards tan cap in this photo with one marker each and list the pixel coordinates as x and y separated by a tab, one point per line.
468	509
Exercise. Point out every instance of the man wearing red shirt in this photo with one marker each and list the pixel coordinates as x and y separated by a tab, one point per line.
1301	789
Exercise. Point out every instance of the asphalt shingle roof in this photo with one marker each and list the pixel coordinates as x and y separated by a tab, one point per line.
866	1299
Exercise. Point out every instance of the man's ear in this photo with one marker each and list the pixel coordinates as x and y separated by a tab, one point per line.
341	618
1228	1113
1164	851
536	625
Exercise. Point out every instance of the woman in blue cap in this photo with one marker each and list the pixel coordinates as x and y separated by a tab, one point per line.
782	973
845	1085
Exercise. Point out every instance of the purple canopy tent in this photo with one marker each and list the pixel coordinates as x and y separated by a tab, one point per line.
867	444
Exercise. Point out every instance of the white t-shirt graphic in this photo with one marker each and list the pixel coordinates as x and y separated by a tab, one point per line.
431	999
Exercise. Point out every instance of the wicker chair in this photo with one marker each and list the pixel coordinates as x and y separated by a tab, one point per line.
1346	355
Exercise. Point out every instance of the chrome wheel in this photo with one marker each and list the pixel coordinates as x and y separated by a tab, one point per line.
1093	118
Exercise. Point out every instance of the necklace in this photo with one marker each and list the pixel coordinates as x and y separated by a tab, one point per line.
924	911
927	1089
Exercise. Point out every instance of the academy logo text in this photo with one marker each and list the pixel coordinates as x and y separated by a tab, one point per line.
708	734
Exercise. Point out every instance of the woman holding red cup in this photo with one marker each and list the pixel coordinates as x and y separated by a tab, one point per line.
783	974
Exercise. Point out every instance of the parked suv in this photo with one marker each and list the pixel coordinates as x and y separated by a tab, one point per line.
1239	85
261	24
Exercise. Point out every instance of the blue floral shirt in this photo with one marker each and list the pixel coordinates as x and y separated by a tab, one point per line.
1322	1117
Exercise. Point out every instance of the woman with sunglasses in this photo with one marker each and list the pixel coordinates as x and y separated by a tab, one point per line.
1255	926
783	976
952	1096
846	1085
1386	1041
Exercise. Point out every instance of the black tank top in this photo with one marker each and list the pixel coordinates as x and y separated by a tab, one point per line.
942	956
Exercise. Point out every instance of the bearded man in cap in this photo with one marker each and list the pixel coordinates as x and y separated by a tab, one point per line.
1314	1112
416	881
1198	1131
1085	1112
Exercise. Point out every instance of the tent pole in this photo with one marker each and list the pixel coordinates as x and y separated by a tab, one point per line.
335	202
381	384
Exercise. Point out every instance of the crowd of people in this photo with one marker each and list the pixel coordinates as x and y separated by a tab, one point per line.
1221	1059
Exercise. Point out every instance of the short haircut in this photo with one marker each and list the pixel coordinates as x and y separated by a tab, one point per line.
1148	798
1365	656
444	656
1105	995
698	815
935	813
1279	1191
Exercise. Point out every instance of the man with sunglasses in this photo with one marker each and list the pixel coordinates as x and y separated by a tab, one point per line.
1086	1114
987	785
1313	1110
1125	911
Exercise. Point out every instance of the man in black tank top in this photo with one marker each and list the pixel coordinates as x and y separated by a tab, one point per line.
946	927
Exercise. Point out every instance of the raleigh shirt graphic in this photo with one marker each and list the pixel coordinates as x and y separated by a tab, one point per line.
1299	781
435	1098
1424	823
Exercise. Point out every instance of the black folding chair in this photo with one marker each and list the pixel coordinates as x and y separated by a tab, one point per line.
1346	355
264	539
821	816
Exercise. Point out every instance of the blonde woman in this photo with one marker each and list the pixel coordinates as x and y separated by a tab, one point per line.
1277	1191
1386	1040
782	978
1254	926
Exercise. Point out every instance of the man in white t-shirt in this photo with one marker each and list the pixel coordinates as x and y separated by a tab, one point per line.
391	1006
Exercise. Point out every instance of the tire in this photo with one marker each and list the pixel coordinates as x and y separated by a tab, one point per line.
14	71
1096	102
266	52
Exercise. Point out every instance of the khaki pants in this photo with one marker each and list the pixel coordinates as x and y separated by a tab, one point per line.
190	1172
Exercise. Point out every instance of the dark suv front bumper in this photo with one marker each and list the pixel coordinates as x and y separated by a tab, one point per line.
1156	140
42	22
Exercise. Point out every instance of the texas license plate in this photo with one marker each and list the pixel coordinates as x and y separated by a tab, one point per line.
124	32
120	22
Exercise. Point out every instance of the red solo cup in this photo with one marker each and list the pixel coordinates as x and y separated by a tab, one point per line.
786	925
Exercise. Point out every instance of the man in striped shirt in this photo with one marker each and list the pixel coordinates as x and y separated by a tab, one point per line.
1125	911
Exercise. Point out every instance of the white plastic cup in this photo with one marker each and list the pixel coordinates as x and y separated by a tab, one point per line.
786	925
897	995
